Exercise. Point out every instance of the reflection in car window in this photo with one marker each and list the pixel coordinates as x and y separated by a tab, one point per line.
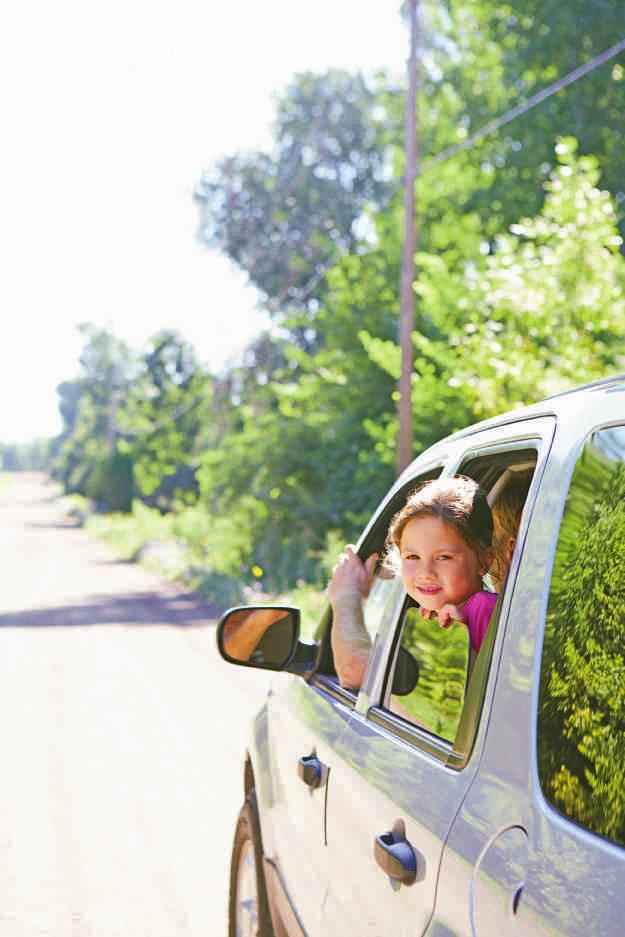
581	714
442	657
378	599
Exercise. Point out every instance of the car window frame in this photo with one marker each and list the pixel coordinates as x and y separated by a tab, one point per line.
537	432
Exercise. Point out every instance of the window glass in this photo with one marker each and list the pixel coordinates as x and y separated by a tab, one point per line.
442	658
375	604
581	712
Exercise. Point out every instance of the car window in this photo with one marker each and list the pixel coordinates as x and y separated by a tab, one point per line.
581	710
445	659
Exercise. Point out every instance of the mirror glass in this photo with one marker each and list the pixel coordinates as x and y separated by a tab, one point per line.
442	656
264	636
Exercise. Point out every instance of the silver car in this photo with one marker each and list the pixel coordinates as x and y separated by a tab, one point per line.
452	797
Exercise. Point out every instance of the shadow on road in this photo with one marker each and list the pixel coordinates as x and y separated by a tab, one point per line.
66	524
140	608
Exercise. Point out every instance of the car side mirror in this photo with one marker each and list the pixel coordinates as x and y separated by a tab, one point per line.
263	636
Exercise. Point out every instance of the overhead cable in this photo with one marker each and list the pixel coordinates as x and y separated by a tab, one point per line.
494	125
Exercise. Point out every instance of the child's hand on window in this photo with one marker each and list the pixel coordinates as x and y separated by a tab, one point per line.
449	613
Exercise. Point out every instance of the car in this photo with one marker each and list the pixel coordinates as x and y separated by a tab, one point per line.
451	797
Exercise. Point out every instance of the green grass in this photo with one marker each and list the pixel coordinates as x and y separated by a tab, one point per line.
175	547
129	533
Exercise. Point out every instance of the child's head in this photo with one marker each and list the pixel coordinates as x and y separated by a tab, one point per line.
507	511
443	536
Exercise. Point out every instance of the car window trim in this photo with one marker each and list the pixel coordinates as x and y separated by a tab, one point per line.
330	685
428	743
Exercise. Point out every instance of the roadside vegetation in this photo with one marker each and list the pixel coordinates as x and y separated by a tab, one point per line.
246	482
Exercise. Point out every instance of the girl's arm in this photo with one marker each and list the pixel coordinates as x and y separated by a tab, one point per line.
351	644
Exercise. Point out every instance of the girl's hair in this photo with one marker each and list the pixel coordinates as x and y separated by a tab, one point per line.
507	511
458	501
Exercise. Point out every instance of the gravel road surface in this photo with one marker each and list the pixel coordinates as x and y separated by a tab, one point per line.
122	735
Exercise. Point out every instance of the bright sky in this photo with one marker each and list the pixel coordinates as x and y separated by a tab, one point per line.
110	113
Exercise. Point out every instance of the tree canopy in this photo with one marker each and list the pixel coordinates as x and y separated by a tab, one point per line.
520	287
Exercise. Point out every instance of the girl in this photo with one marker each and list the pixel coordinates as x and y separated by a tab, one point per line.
442	541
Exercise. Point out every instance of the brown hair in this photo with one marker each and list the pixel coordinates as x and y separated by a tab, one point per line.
458	501
507	511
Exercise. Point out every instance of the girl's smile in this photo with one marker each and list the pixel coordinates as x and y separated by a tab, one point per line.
438	566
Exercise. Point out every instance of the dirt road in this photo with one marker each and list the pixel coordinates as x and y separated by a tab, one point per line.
121	739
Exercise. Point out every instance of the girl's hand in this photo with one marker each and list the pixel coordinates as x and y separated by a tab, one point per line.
449	613
351	576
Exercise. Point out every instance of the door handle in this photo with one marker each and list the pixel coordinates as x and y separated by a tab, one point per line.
394	854
312	771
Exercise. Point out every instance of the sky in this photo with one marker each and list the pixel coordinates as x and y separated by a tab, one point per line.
110	113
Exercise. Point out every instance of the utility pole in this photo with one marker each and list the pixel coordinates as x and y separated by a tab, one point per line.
115	396
408	269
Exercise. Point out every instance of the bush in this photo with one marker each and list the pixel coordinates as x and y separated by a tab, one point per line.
221	590
110	483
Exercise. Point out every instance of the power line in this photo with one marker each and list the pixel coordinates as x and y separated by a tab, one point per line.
487	129
525	106
492	126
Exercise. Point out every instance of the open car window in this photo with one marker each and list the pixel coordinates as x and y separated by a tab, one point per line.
450	687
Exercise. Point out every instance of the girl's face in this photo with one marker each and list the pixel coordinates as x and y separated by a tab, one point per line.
437	565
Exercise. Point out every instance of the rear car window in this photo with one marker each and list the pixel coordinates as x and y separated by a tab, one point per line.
581	712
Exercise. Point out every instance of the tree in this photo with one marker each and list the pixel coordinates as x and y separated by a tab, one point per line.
490	58
283	217
547	306
165	415
89	407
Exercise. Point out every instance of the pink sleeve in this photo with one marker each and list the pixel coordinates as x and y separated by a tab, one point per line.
478	610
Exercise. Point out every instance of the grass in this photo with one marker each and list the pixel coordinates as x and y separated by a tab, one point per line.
174	546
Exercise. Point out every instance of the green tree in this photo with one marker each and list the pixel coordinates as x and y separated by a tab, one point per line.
164	418
90	406
489	58
544	309
284	216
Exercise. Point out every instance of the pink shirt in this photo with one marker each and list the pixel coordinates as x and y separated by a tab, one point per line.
478	610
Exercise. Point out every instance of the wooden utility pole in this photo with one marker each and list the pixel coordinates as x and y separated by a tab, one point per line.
115	395
408	269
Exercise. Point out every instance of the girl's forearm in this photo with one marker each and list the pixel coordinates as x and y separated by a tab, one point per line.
351	644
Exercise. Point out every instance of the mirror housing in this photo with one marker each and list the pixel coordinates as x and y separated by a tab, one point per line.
406	673
265	637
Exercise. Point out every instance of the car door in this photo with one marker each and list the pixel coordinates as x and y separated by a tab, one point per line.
394	779
378	776
539	845
305	722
